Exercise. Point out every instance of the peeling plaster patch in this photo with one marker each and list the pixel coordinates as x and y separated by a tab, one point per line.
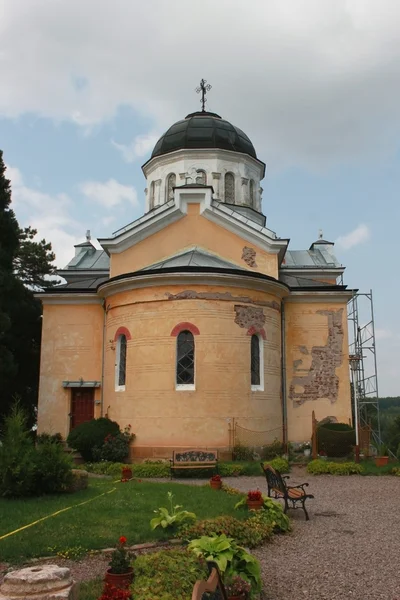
321	380
303	349
249	256
226	296
297	363
249	316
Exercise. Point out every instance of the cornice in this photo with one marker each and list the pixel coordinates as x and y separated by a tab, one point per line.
317	270
333	296
70	298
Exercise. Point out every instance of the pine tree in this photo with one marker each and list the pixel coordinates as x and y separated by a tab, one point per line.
24	266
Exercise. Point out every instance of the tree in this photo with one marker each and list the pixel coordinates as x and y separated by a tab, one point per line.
24	266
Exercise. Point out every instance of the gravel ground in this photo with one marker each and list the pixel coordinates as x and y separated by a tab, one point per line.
348	550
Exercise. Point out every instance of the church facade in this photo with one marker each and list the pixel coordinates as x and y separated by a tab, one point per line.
197	318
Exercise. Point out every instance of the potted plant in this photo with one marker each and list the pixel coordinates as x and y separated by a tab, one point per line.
126	473
216	482
382	458
120	572
254	500
237	588
307	448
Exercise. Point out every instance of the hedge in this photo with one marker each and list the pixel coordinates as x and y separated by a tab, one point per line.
325	467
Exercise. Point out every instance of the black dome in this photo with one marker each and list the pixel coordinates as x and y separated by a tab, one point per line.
203	130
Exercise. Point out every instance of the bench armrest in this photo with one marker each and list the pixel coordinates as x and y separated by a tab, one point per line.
301	486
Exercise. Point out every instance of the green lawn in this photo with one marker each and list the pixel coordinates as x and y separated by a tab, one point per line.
98	524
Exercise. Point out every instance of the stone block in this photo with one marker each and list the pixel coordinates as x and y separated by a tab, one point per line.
41	582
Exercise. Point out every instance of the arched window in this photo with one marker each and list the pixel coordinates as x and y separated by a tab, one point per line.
171	183
256	349
120	363
152	195
230	188
185	359
201	177
251	192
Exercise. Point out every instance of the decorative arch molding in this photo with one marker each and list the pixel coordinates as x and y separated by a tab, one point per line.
122	331
184	327
253	330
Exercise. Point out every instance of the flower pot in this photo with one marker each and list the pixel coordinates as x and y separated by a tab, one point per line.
119	580
126	473
255	504
307	452
381	461
216	485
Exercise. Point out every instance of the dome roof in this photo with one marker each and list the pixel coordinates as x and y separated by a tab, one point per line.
203	130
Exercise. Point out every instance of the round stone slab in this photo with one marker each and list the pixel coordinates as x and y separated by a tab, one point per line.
42	582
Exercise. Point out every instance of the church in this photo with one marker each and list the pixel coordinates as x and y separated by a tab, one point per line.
196	323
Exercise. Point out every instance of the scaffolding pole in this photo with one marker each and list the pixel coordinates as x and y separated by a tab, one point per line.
363	363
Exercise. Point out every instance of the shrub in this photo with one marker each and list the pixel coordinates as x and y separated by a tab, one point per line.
241	452
53	468
336	439
139	470
272	450
91	434
396	471
166	519
167	575
230	469
49	437
115	447
321	467
251	532
280	464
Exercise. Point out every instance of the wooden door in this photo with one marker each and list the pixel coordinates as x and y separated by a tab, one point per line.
82	405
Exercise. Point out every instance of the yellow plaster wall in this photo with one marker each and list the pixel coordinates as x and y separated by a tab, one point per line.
307	328
192	230
162	417
71	349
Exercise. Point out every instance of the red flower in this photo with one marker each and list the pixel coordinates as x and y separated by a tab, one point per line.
122	539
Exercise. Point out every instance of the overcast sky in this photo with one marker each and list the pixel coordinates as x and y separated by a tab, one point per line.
88	86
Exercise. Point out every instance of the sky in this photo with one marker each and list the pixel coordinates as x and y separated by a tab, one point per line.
86	89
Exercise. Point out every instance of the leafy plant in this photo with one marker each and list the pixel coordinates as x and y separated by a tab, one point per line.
91	434
241	452
273	514
230	490
120	558
115	447
382	449
49	437
322	467
230	469
271	451
167	575
251	532
73	553
53	468
237	586
110	592
170	519
280	464
254	495
230	558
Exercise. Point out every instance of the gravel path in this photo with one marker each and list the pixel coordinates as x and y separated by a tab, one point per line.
348	550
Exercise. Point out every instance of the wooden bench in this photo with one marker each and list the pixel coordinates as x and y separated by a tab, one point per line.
213	588
194	459
293	494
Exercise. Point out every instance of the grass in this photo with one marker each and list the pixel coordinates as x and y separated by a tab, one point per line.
89	590
126	511
370	467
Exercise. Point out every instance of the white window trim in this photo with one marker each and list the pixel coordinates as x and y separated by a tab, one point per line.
185	387
260	387
119	388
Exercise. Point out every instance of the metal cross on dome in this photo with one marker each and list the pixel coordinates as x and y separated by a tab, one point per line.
203	88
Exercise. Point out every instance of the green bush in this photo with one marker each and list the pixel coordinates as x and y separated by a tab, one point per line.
250	533
272	450
90	435
139	470
241	452
49	437
230	469
280	464
336	439
115	447
53	468
325	467
167	575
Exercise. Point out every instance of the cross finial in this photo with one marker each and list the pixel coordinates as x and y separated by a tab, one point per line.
203	88
320	234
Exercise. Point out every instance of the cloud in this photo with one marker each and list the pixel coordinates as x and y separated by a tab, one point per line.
313	82
109	194
139	147
359	235
49	214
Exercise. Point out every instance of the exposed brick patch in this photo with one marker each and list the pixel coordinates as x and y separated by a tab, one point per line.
249	256
122	331
185	326
250	316
261	331
321	380
303	349
224	296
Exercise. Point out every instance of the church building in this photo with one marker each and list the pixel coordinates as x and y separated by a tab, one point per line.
196	320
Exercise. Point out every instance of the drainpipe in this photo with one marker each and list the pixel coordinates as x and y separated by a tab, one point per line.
103	358
283	361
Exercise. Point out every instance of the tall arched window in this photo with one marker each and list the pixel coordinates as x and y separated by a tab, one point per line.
171	183
230	188
120	363
201	177
251	192
185	359
152	195
257	370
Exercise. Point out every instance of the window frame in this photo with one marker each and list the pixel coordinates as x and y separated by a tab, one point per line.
185	386
260	386
233	199
170	176
120	387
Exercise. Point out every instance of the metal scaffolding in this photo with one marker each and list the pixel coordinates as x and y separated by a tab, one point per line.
363	363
